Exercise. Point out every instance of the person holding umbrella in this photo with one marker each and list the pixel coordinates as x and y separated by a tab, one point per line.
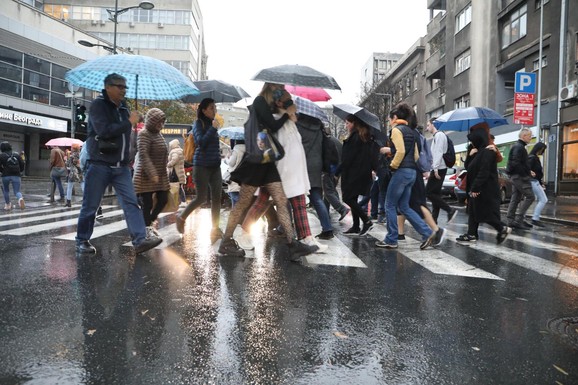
254	175
355	171
405	149
109	128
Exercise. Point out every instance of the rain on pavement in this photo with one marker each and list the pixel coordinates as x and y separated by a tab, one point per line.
179	314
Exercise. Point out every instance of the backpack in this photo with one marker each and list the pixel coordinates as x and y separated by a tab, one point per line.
329	153
12	164
425	160
450	155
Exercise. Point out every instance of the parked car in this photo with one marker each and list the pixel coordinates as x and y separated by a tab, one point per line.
450	181
503	180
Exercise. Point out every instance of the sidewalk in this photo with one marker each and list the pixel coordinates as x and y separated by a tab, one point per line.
562	209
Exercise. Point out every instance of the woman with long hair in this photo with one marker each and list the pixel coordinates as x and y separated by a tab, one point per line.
355	171
254	175
206	167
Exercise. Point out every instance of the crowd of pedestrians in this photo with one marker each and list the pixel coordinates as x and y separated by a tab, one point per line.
390	175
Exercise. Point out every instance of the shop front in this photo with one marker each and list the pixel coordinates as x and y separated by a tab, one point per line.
568	160
28	132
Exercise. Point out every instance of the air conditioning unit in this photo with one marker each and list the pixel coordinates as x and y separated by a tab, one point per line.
131	24
94	22
103	22
568	92
161	25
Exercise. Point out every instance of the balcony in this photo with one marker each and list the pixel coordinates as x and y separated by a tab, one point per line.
436	4
434	63
435	98
436	24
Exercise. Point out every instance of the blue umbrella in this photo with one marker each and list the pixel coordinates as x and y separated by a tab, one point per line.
146	77
462	119
235	133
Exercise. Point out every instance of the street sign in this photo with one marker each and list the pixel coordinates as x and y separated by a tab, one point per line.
75	95
525	82
72	87
524	108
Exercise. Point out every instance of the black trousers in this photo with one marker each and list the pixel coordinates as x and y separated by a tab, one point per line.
433	192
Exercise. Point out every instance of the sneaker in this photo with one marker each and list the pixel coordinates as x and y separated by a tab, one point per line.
99	213
520	225
21	203
230	248
298	249
8	206
344	214
325	235
366	227
384	245
429	241
452	214
528	225
467	238
537	223
381	218
310	241
502	235
245	241
439	237
85	247
401	237
148	243
352	231
180	224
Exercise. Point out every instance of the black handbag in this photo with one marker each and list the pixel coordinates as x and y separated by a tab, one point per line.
107	146
173	177
261	145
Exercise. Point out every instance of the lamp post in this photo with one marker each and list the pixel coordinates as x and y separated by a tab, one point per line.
113	15
89	44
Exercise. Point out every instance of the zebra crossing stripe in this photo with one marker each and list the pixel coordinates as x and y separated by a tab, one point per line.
434	260
539	265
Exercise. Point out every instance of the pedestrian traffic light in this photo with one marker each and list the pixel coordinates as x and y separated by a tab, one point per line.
80	113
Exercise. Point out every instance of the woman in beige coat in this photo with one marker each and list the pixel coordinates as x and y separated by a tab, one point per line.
176	162
150	174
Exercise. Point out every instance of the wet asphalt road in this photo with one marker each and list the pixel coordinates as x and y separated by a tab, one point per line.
462	314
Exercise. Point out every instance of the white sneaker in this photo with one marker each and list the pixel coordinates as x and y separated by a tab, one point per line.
8	206
152	232
310	241
245	241
21	203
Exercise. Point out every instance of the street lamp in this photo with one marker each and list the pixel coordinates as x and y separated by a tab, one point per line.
89	44
113	15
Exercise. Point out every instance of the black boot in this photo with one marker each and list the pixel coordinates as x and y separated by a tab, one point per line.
68	203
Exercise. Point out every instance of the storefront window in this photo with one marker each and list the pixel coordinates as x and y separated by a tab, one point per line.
36	64
10	56
10	72
10	88
570	152
59	100
35	94
36	80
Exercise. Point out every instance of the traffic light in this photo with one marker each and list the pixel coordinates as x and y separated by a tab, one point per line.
80	117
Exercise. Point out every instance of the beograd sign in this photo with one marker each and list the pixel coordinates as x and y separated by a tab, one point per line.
29	120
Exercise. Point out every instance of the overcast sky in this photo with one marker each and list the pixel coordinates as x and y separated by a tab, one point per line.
332	36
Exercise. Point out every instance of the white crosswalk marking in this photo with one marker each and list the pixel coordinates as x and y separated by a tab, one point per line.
435	260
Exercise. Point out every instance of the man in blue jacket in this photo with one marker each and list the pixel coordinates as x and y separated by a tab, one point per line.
108	145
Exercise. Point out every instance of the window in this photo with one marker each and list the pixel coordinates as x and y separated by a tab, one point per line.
415	78
464	18
536	64
514	26
462	62
462	102
538	2
570	152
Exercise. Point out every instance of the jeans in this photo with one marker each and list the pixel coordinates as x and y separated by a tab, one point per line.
540	197
97	178
58	182
69	187
15	180
234	195
316	198
398	194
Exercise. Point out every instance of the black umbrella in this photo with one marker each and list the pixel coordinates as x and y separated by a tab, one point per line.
218	90
296	75
344	110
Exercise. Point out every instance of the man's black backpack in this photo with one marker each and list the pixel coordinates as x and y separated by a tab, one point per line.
450	155
12	164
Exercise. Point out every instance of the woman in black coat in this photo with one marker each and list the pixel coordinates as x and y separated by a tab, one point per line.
355	170
482	184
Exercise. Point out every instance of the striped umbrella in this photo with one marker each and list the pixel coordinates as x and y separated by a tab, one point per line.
146	77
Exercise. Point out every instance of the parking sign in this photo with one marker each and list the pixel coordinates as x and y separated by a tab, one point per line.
525	83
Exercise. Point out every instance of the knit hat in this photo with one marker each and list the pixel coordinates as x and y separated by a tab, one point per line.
154	119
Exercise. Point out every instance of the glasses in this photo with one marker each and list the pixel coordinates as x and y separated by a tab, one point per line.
121	86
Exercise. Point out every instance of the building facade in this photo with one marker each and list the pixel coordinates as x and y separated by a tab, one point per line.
472	52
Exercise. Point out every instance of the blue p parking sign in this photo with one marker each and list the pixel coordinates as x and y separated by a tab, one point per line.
525	82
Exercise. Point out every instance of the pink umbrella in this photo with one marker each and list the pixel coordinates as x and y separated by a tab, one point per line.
313	94
63	142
